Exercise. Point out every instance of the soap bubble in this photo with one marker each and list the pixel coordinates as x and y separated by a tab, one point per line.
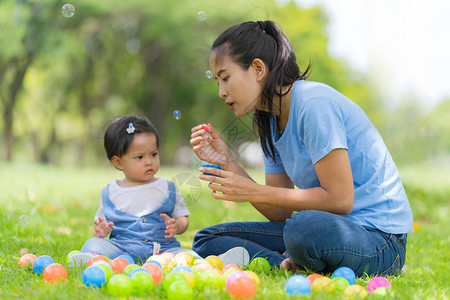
68	10
176	114
201	15
23	220
209	74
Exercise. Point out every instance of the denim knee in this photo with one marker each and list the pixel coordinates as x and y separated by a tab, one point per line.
93	245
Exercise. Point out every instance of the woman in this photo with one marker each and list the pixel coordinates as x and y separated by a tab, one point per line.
350	208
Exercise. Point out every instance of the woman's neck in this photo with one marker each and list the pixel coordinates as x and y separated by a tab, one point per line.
282	111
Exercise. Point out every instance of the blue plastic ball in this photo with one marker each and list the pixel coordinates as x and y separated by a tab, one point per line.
156	263
182	268
93	277
137	270
128	258
41	263
298	285
346	273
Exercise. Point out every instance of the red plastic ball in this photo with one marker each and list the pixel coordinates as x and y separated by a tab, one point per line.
155	271
27	259
54	272
119	264
243	288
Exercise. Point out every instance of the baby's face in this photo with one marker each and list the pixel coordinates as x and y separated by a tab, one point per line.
141	162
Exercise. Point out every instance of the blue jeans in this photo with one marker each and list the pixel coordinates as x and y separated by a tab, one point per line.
316	240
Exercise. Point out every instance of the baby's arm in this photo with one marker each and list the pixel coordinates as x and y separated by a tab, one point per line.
102	228
175	226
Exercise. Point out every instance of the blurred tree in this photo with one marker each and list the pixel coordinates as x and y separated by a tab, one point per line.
64	78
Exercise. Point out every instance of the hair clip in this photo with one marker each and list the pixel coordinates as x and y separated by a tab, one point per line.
131	128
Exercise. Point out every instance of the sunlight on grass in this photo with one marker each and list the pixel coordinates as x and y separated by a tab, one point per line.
50	210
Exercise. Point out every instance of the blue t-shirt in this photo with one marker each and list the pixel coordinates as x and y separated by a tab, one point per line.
322	119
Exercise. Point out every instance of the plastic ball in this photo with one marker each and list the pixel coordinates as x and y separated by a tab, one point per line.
312	277
171	278
160	259
260	264
155	262
142	283
243	288
106	269
54	272
168	256
69	255
214	261
129	268
298	285
201	264
345	272
97	258
231	266
182	268
41	262
180	289
118	264
129	259
378	282
323	283
136	270
228	272
155	271
212	279
93	277
355	290
340	283
233	276
26	260
189	277
189	258
253	276
120	286
382	291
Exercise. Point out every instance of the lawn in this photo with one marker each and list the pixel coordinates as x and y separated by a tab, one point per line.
49	210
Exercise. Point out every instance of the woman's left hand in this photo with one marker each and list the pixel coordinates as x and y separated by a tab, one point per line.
232	187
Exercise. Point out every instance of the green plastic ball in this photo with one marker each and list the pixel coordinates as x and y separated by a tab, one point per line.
129	268
142	283
260	264
120	286
180	289
171	278
340	283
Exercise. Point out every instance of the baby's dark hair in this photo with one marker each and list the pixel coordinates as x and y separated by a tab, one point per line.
264	40
117	139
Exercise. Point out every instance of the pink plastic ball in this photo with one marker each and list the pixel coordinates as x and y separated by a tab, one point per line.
378	282
233	276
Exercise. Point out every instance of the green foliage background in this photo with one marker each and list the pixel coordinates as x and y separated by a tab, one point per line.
62	79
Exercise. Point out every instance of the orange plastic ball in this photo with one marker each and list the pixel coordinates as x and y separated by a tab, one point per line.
26	260
97	258
54	272
242	287
155	271
231	266
118	264
312	277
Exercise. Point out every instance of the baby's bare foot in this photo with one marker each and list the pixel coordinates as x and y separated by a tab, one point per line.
289	265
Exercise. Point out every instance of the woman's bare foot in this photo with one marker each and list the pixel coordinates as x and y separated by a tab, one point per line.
289	265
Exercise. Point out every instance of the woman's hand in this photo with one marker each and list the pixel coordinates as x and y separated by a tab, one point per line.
102	228
232	187
211	148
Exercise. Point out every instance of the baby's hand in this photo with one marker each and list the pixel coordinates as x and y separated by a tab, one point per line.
102	228
171	226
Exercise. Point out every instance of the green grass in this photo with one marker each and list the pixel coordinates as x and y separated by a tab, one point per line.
59	205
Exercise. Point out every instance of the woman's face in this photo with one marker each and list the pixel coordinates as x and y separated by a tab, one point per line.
241	89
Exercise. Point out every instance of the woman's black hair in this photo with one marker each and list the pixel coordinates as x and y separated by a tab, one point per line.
117	138
264	40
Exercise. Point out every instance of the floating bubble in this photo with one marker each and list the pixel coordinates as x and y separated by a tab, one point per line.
176	114
209	74
23	220
201	15
68	10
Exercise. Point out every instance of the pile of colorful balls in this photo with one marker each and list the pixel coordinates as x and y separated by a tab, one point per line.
343	280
